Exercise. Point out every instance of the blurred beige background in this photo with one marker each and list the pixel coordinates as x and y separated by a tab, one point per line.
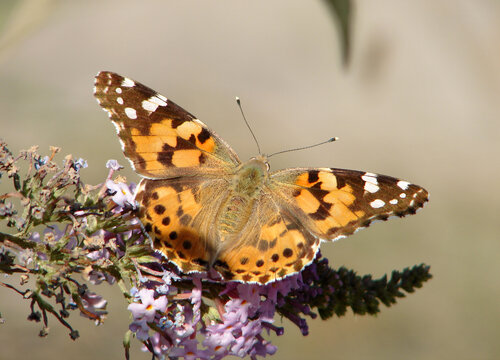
420	100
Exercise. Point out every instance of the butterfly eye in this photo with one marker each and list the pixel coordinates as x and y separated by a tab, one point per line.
268	167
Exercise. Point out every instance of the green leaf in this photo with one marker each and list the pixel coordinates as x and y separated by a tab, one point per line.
342	13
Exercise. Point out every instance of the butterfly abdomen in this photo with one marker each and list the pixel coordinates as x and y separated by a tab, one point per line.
239	204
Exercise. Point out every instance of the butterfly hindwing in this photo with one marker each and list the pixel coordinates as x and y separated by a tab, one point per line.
160	139
333	203
179	215
273	245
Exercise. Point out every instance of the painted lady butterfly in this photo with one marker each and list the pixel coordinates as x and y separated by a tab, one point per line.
204	208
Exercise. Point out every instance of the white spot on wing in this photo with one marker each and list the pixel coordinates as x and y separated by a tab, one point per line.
149	106
371	183
393	201
119	100
128	82
118	90
403	184
370	178
371	187
402	195
131	113
157	100
376	204
153	102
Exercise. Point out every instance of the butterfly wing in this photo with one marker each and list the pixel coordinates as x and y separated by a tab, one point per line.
334	203
273	244
160	139
185	167
179	214
299	207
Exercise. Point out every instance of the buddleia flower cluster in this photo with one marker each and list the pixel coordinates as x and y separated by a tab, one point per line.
65	234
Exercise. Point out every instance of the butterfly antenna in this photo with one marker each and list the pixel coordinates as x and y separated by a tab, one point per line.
305	147
246	122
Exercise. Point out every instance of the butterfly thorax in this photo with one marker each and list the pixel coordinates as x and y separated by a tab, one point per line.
244	190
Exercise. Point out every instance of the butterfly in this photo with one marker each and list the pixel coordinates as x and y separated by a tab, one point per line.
203	208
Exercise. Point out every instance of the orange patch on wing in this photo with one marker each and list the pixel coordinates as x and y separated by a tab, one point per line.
328	180
360	213
163	127
247	252
147	144
188	202
208	145
165	192
328	223
271	232
188	128
344	196
342	214
303	180
307	202
151	163
186	158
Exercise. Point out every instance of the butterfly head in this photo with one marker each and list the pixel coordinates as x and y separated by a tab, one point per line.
262	160
250	176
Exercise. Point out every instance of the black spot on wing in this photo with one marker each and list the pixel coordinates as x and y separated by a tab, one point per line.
313	176
322	213
203	136
176	122
159	209
165	158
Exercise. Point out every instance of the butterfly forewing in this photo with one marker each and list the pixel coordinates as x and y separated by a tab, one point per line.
334	203
161	139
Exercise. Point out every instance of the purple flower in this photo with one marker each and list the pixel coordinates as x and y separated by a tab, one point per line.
248	338
40	161
140	328
263	348
113	165
80	164
93	301
148	307
189	351
241	308
95	304
250	293
191	328
160	344
122	194
25	257
218	341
